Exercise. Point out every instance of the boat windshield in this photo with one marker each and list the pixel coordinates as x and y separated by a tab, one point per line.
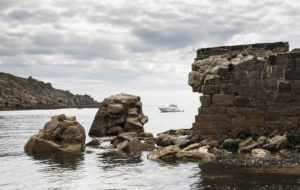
173	105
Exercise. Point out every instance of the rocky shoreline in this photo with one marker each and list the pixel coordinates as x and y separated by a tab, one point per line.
18	93
178	145
65	134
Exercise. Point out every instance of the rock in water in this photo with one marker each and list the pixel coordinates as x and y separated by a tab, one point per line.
117	114
60	134
164	153
94	142
261	153
134	146
195	155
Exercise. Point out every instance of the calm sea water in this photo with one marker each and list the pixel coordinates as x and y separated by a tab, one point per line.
104	169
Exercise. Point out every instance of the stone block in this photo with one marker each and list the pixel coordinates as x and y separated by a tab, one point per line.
262	83
284	86
292	75
261	104
271	115
296	87
241	101
210	89
297	64
229	88
254	74
246	65
225	100
222	71
276	71
241	76
291	64
289	110
278	60
213	81
262	94
205	100
249	121
283	97
211	128
215	110
290	121
213	118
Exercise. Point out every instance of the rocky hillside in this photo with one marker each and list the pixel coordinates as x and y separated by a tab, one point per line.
18	93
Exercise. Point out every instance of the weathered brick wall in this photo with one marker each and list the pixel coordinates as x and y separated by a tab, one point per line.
254	87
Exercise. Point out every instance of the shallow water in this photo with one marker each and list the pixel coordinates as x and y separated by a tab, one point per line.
115	170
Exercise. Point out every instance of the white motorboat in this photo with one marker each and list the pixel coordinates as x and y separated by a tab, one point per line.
170	108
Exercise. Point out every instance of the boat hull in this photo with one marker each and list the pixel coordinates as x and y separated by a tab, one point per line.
170	110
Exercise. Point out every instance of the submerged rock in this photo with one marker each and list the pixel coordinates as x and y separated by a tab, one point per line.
164	153
94	142
134	146
60	134
179	137
117	114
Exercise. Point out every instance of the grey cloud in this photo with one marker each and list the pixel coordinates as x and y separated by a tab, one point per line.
83	32
39	16
164	38
76	46
20	15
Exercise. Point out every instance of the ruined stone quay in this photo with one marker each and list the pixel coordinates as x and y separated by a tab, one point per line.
253	88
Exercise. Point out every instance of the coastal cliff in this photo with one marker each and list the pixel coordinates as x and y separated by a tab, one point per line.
18	93
253	88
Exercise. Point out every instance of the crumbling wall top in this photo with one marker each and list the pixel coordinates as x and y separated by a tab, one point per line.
276	47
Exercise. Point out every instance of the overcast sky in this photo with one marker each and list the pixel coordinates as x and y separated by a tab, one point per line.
103	47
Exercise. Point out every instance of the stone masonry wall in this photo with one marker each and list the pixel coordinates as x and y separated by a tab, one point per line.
255	86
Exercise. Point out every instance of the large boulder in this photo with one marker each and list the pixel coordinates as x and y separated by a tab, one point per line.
61	133
117	114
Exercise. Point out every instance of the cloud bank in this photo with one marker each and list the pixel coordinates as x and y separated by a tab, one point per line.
143	47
